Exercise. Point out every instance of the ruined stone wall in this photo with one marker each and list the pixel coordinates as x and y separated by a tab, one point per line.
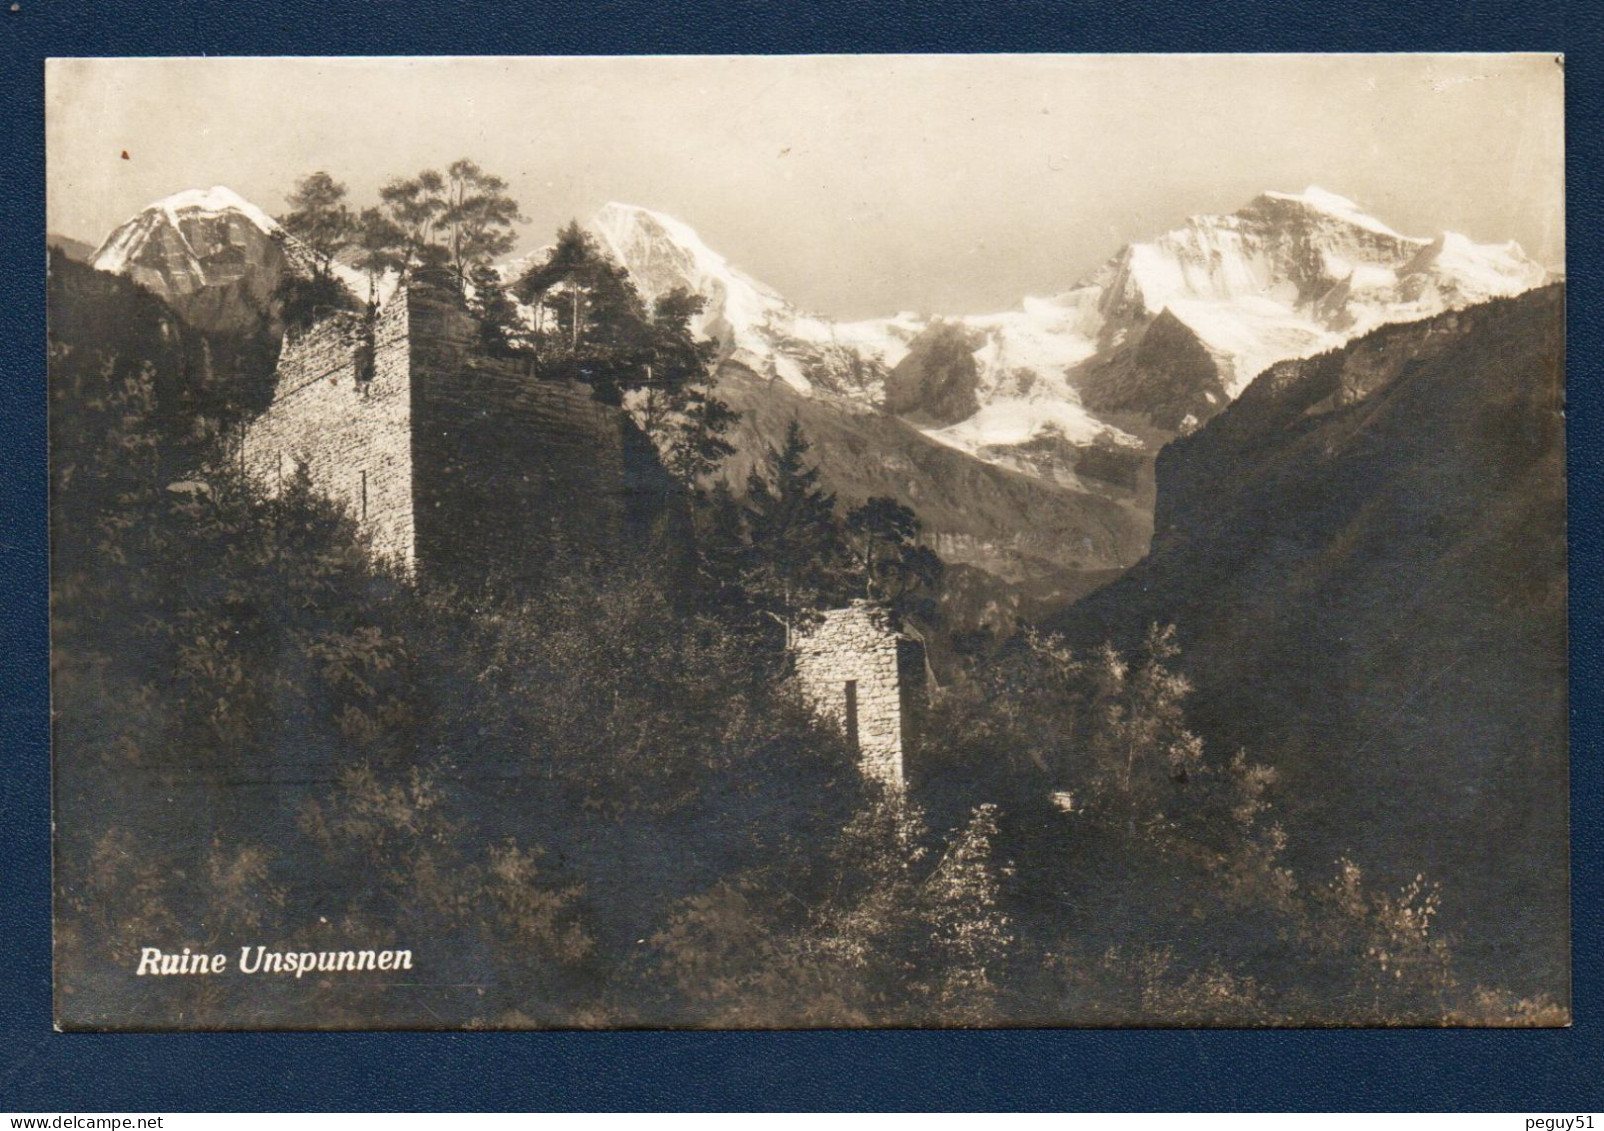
459	465
345	410
857	645
511	470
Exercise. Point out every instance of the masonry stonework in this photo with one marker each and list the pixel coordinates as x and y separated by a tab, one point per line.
857	671
470	468
342	405
456	464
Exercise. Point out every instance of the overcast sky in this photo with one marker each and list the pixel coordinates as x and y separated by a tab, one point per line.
856	185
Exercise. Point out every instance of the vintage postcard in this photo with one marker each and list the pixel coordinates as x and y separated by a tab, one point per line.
786	542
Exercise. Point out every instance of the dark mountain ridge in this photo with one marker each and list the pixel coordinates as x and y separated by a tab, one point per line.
1014	526
1365	558
77	250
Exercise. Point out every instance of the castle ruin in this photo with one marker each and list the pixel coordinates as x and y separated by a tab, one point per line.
463	467
859	672
454	463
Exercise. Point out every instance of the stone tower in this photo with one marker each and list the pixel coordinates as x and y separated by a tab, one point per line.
455	464
858	671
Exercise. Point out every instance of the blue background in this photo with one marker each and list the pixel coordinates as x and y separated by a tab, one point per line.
41	1071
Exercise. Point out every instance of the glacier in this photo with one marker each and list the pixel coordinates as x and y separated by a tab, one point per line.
1288	275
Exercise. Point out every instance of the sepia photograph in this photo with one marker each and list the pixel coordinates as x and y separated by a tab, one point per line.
808	542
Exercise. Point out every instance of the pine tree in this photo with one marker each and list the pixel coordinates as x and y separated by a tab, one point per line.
320	219
592	325
678	408
461	219
381	246
696	443
500	326
478	216
595	309
794	541
883	539
721	548
322	222
415	205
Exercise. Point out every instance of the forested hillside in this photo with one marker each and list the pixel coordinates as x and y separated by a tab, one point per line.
1302	764
1364	558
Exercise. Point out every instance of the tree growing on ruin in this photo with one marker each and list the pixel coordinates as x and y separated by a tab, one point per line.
414	205
301	302
460	219
590	316
324	224
592	325
320	219
501	329
380	248
882	538
478	217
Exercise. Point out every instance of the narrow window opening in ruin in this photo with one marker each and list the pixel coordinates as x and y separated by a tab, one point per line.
852	714
364	495
365	353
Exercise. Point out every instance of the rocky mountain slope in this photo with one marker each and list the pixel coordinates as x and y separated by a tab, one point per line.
212	255
1288	275
1077	391
1365	559
1024	438
1013	526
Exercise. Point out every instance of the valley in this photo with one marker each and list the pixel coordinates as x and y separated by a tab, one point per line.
1025	439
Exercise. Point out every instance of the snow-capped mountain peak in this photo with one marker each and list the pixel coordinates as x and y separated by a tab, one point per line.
756	326
1288	248
1288	275
218	198
123	244
1285	276
665	252
212	254
662	253
1318	199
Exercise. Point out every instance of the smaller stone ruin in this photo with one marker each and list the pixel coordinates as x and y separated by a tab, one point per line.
861	673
